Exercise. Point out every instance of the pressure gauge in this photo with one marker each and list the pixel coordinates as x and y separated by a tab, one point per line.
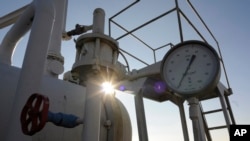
191	68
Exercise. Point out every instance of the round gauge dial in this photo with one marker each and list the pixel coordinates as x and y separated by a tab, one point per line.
191	68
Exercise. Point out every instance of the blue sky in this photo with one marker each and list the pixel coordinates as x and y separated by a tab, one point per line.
228	20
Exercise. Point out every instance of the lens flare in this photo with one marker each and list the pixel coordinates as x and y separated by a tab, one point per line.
160	87
108	88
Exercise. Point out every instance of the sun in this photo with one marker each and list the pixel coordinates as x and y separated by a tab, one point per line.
108	88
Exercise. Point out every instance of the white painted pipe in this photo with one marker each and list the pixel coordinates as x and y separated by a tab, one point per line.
33	65
93	105
59	25
12	17
17	31
55	60
195	116
98	21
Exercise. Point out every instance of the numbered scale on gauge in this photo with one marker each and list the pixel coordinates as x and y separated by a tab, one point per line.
191	68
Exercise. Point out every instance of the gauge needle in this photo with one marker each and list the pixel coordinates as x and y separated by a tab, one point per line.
188	67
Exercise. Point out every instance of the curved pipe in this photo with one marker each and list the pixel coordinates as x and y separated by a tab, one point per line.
17	31
12	17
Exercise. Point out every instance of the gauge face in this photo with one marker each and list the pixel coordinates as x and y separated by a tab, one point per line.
191	68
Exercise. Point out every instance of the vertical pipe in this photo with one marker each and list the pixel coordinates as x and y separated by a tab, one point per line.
17	31
183	121
93	104
94	94
141	118
33	65
55	60
98	21
195	116
59	26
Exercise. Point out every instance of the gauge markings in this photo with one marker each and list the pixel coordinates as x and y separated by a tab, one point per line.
189	69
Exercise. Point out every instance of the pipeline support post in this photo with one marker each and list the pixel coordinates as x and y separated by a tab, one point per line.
141	118
94	94
195	116
92	116
183	121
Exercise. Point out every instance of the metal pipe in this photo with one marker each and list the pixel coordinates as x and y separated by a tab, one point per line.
12	17
17	31
140	40
94	95
224	109
195	116
33	65
192	25
148	22
141	118
55	60
183	121
230	109
59	26
98	21
134	57
179	20
93	105
111	18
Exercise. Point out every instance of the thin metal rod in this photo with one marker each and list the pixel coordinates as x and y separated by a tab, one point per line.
132	35
192	25
217	127
212	111
208	135
150	21
154	56
179	20
118	13
224	68
195	11
183	121
168	44
224	107
154	50
134	57
125	59
230	109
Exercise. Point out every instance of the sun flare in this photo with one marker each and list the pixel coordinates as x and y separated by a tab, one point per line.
108	88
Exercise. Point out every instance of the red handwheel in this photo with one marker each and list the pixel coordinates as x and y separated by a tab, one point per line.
34	114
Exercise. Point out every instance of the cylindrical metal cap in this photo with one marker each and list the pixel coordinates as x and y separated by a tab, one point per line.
98	21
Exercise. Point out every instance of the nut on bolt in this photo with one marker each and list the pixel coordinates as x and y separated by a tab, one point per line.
107	124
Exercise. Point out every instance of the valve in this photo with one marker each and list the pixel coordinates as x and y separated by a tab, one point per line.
79	29
36	113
